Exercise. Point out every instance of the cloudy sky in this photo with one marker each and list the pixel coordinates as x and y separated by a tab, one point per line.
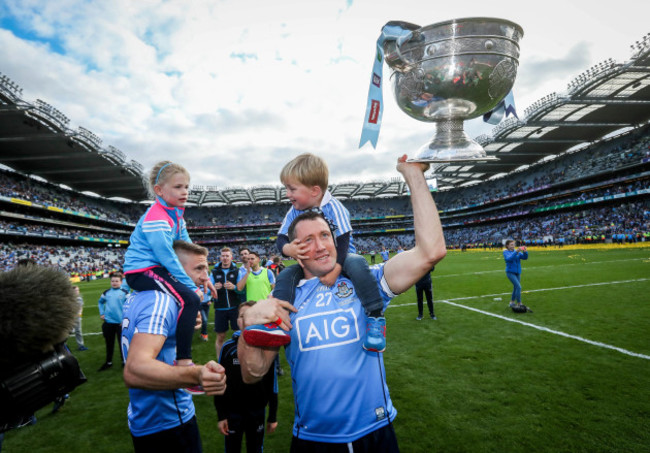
233	89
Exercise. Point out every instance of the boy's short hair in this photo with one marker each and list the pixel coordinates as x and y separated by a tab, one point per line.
116	275
307	169
226	249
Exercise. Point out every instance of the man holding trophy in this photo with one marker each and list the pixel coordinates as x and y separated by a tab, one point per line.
341	397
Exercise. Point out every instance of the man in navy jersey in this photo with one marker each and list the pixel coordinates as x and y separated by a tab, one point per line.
225	276
341	397
161	415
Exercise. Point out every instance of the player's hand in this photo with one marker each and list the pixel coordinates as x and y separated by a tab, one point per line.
213	378
199	293
403	166
102	316
199	321
230	286
218	286
270	427
223	426
211	287
270	310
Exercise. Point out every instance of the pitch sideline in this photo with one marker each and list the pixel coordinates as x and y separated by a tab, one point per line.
544	329
527	324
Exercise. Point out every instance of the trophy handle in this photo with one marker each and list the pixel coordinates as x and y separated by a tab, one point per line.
393	42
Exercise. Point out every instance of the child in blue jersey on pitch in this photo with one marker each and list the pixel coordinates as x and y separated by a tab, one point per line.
306	180
150	262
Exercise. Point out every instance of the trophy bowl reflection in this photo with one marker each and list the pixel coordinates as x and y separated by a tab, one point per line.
450	72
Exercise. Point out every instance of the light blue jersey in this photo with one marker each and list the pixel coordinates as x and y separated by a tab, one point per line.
340	389
384	255
152	411
111	304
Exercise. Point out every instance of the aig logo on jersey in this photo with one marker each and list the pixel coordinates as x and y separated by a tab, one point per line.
327	329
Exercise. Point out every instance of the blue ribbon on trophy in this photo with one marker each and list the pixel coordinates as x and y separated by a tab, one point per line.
375	105
502	110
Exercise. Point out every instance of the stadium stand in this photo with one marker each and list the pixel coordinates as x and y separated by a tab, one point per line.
600	193
574	169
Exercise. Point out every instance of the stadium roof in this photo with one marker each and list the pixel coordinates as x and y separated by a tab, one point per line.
35	140
611	96
606	98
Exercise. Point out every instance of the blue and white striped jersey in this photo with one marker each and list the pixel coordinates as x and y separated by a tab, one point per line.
332	210
152	411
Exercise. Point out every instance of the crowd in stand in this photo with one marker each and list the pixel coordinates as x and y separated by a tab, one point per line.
600	157
518	218
15	185
76	260
38	229
531	206
597	159
632	220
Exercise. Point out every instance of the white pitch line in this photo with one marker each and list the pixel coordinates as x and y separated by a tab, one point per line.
544	329
534	268
558	288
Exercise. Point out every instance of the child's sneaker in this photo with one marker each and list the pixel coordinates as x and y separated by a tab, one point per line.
195	389
267	335
375	335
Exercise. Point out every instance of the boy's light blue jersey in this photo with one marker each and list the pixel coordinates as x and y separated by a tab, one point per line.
340	389
152	411
111	304
333	210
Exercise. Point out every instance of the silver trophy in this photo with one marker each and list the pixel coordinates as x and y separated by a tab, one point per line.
450	72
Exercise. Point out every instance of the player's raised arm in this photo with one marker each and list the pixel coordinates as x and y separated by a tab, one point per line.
404	269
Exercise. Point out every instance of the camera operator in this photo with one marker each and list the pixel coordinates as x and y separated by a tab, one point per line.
38	307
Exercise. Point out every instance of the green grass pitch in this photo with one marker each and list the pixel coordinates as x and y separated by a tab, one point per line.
571	376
